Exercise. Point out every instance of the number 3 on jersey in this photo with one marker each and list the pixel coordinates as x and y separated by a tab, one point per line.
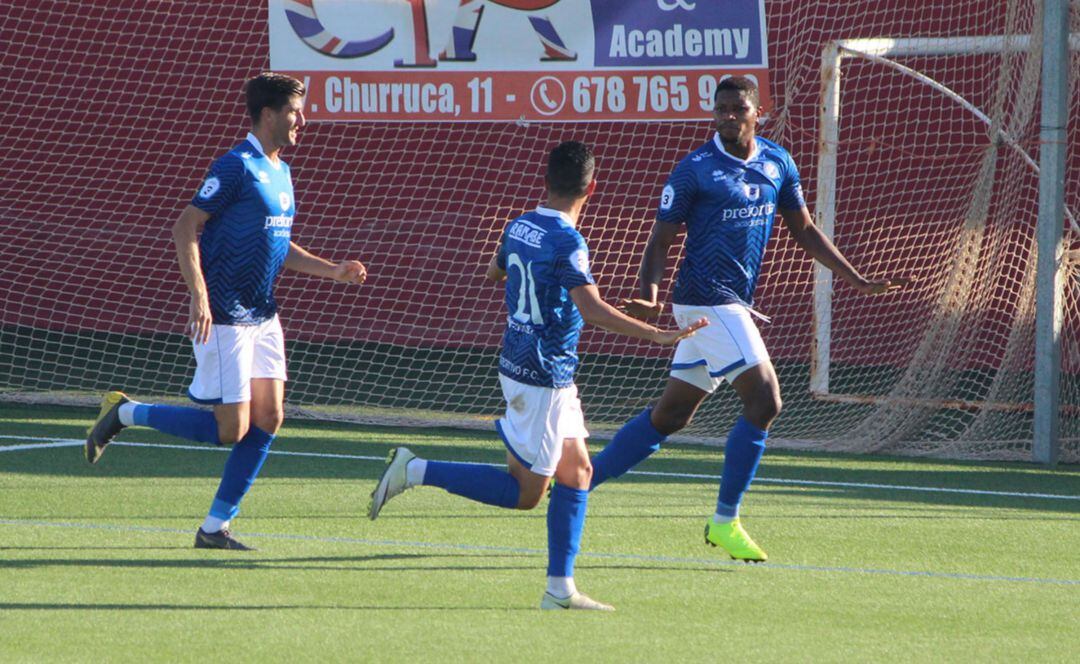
526	291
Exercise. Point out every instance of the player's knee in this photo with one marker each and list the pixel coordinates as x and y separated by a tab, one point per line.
671	419
530	498
269	419
231	434
761	412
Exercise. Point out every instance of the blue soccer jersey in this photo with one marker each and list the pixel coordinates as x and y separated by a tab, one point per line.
544	258
728	206
244	243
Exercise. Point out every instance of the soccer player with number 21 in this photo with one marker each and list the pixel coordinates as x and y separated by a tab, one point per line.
550	292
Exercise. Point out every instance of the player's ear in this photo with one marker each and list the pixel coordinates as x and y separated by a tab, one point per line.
591	188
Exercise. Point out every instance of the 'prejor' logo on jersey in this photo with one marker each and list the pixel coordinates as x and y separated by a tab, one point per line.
766	210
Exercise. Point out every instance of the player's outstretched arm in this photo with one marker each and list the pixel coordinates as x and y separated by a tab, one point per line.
808	236
185	234
303	261
597	312
653	261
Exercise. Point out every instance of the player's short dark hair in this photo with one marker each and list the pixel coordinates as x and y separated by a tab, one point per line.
570	169
270	90
740	84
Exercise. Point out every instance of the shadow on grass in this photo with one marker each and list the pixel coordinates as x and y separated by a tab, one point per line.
47	606
339	564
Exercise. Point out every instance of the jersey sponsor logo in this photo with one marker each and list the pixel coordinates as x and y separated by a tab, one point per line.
281	225
245	155
525	232
701	155
719	174
765	211
667	197
285	201
209	188
579	260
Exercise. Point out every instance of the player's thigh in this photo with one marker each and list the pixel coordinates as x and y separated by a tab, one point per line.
233	421
574	469
267	403
677	405
531	486
759	390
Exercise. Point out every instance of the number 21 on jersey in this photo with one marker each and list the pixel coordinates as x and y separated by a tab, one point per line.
526	292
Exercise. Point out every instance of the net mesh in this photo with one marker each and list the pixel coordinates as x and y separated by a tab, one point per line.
115	112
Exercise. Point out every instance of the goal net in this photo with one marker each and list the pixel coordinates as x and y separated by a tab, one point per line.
113	113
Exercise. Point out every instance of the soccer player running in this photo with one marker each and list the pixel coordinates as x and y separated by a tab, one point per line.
726	195
245	209
550	293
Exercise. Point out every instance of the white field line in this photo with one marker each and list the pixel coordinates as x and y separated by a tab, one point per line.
473	548
62	442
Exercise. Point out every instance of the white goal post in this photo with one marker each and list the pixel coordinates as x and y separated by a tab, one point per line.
882	50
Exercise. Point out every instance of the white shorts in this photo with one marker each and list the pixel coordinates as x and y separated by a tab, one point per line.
233	356
730	345
537	421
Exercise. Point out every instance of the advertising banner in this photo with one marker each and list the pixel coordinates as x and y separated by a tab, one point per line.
532	60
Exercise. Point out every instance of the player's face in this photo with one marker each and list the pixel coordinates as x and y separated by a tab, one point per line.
736	116
286	122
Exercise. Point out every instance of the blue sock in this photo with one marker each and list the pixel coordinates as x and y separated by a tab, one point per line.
745	445
633	443
565	521
190	423
241	469
474	481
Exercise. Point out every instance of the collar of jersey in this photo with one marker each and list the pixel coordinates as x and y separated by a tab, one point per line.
744	162
259	148
548	212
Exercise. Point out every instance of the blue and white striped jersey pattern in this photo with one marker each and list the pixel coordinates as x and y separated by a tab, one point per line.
728	206
544	258
244	243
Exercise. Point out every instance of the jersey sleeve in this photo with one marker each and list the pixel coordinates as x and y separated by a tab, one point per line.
572	262
791	194
222	186
677	198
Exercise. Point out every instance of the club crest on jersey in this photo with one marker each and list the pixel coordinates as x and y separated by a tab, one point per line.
209	188
285	201
580	260
752	191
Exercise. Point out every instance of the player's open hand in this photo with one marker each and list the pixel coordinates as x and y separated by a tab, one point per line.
641	309
350	272
886	286
199	320
672	337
